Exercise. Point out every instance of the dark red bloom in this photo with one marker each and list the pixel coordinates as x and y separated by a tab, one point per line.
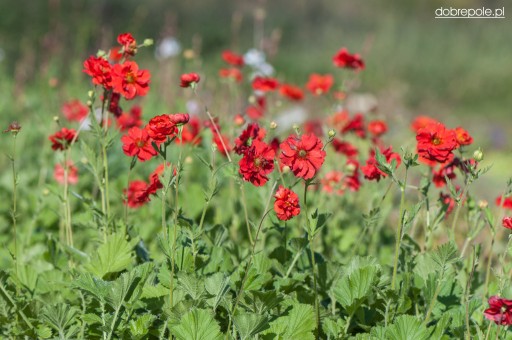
58	173
231	73
320	84
74	110
114	107
336	182
135	194
436	143
223	144
190	132
507	222
179	118
244	141
189	79
377	127
232	58
161	127
422	121
356	125
507	203
62	139
138	143
314	126
499	311
257	163
13	128
445	171
303	155
346	60
286	204
100	70
130	119
344	148
129	81
371	170
463	137
264	84
291	92
447	201
128	43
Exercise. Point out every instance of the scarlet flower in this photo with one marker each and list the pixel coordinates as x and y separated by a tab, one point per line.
507	203
346	60
257	163
244	141
219	143
255	112
58	173
239	120
100	70
439	177
336	182
314	126
291	92
356	125
231	73
286	204
507	222
114	54
303	155
154	179
232	58
421	122
129	81
138	143
130	119
61	140
264	84
159	128
344	148
179	118
447	202
319	84
377	127
462	136
499	311
74	110
135	194
189	79
128	42
435	143
371	170
190	132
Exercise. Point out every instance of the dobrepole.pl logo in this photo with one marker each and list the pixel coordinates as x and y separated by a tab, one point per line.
470	13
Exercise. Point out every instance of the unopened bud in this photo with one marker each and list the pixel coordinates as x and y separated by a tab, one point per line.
189	54
90	94
46	192
101	53
331	133
482	204
84	160
252	99
148	42
351	167
56	119
478	155
89	103
189	160
286	169
273	125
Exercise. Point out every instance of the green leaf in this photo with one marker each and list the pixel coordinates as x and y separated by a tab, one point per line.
217	285
43	332
94	286
198	324
248	324
298	324
59	317
141	326
407	327
113	256
193	286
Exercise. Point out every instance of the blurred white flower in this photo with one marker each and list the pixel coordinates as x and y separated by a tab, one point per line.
85	124
167	48
254	58
193	107
290	117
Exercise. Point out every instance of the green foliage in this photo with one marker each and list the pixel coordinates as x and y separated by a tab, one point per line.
198	324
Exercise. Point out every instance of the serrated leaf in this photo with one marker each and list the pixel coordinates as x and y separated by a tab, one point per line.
298	324
113	256
249	324
217	285
141	326
198	324
193	286
59	317
43	332
407	327
94	286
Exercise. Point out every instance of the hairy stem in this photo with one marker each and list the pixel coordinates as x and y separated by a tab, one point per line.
398	238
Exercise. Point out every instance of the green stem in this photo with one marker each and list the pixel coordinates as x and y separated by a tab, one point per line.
14	205
399	230
434	299
295	259
246	215
488	269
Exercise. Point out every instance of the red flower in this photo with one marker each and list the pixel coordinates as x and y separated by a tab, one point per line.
190	132
239	120
58	173
286	204
507	203
499	311
314	126
159	128
219	143
291	92
507	222
319	84
439	177
255	112
257	163
129	81
447	201
138	143
344	59
128	42
74	110
100	71
436	143
179	118
114	107
463	137
62	139
131	119
264	84
189	79
114	54
371	170
377	128
135	194
344	148
303	155
231	73
422	121
232	58
356	125
336	182
244	141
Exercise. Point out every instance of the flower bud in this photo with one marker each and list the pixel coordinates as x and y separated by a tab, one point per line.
90	94
56	119
189	54
286	169
482	204
148	42
331	133
273	125
478	155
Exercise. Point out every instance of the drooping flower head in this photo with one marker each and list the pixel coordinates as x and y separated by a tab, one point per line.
179	119
138	143
61	140
286	204
507	222
129	81
303	155
251	133
189	79
257	163
344	59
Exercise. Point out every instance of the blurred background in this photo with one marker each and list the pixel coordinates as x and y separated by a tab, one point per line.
456	70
